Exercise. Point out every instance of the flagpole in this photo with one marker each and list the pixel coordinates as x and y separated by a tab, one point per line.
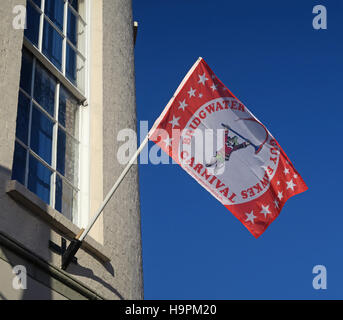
76	243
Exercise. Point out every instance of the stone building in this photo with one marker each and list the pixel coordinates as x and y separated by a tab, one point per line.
67	87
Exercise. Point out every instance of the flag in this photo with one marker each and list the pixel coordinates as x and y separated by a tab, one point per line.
214	137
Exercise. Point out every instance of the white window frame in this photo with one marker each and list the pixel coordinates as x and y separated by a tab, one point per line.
82	216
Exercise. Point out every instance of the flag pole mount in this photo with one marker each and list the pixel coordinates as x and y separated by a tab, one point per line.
73	247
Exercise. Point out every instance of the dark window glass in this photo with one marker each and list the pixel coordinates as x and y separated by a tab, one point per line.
67	156
26	72
61	151
52	45
44	90
74	4
23	118
72	27
39	179
54	9
19	161
71	64
33	17
41	135
37	2
65	200
68	112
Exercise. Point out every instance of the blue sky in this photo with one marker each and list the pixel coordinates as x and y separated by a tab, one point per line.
290	77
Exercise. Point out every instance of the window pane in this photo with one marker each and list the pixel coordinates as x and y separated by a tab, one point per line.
74	4
76	31
52	45
66	199
78	6
37	2
41	135
33	17
44	90
19	163
39	179
75	68
67	156
26	72
72	27
68	113
23	118
54	9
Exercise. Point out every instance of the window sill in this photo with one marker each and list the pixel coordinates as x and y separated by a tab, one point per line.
54	218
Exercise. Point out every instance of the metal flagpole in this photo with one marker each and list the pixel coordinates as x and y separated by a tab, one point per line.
76	243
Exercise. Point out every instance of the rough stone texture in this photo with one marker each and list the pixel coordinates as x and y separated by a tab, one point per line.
10	62
121	278
122	216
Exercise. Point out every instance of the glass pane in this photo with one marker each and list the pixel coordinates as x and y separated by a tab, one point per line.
19	163
41	135
76	31
75	68
37	2
26	72
39	179
54	9
67	156
66	199
74	4
68	113
52	45
33	17
44	90
23	116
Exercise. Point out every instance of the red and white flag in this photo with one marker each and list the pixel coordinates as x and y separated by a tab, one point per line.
221	144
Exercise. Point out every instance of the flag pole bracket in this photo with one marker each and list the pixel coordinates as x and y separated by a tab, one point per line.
61	250
68	255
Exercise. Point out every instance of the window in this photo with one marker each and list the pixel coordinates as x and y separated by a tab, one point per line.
47	146
57	29
47	143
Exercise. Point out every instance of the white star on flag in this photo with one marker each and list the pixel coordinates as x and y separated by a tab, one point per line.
200	95
278	183
250	217
175	122
183	105
214	87
280	195
202	79
265	210
295	176
191	92
290	184
286	171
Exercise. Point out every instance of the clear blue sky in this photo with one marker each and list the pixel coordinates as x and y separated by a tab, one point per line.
290	77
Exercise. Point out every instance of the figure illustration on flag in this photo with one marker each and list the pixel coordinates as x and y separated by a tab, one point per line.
260	179
230	145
